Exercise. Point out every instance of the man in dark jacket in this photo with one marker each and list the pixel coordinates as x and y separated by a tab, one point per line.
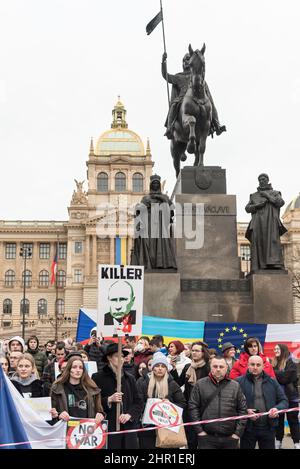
213	397
94	349
48	376
131	402
40	358
263	394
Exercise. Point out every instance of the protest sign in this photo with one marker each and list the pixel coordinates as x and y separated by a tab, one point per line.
84	434
41	405
162	412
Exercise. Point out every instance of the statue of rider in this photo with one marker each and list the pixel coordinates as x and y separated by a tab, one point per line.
180	83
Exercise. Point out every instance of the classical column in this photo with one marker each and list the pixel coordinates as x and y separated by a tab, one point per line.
94	256
87	254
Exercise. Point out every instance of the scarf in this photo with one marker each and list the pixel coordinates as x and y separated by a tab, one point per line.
191	372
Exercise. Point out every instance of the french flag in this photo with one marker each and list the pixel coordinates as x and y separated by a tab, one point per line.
54	268
21	427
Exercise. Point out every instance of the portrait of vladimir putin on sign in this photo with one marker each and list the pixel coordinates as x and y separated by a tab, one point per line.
121	300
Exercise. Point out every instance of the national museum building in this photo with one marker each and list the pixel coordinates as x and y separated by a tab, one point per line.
99	231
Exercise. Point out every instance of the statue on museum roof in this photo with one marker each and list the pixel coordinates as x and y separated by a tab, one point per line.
192	114
79	196
265	227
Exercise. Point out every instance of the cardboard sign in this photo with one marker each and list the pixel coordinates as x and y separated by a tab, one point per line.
162	412
83	434
41	405
120	300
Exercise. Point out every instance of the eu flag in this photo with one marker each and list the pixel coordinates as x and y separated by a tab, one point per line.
218	333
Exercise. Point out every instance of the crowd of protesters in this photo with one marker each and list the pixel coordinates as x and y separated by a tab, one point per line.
192	376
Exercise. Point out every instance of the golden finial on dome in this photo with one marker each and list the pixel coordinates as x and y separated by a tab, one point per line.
119	116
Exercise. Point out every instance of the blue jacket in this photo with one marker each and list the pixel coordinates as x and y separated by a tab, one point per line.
273	394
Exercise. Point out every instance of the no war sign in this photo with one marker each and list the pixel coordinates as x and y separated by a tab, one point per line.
84	434
161	412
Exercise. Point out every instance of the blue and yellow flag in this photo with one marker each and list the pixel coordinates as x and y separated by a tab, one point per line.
173	329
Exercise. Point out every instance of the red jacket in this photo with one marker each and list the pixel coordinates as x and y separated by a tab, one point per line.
241	366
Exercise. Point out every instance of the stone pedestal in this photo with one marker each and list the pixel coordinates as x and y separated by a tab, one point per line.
161	294
272	297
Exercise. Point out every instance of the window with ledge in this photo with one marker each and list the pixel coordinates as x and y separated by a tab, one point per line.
60	307
137	182
44	278
102	182
10	278
7	306
10	250
24	305
44	250
78	247
6	324
29	250
120	182
61	278
27	278
245	252
62	251
78	276
42	307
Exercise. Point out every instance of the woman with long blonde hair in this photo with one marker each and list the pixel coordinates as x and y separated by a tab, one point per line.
159	384
75	394
286	374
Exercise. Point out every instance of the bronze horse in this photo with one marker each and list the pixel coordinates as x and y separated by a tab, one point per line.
193	122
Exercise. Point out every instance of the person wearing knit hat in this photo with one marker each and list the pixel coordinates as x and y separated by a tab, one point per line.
158	384
16	344
177	358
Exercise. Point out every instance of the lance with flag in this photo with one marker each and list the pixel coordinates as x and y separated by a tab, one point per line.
151	26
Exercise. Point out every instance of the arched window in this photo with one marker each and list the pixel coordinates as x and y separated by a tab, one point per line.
60	307
44	278
120	182
7	306
42	306
26	306
27	277
61	278
10	278
102	182
137	182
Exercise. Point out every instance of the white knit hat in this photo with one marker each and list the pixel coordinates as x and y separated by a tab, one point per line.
160	359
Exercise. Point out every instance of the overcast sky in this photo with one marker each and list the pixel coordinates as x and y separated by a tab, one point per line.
64	62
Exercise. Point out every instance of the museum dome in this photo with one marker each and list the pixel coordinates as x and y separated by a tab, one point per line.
119	140
294	204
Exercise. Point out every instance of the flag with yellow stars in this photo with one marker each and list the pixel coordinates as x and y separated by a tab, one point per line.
217	334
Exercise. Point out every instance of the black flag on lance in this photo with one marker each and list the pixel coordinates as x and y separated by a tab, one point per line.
154	22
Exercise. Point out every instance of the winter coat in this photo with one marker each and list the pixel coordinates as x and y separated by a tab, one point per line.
48	377
182	380
240	367
229	402
35	387
272	392
288	379
181	361
59	400
131	404
40	358
175	394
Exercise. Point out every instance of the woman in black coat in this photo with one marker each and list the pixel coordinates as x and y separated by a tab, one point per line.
158	384
286	375
26	379
131	403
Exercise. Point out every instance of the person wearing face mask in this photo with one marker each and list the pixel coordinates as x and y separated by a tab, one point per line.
26	379
142	350
252	347
286	374
131	404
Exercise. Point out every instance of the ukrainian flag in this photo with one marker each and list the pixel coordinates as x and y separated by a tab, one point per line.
121	251
173	329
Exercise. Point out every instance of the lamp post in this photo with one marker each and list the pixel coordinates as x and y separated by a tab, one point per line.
26	254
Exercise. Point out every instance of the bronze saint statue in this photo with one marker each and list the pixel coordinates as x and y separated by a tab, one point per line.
265	227
192	115
154	245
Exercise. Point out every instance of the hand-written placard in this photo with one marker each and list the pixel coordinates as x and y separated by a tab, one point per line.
84	434
162	412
